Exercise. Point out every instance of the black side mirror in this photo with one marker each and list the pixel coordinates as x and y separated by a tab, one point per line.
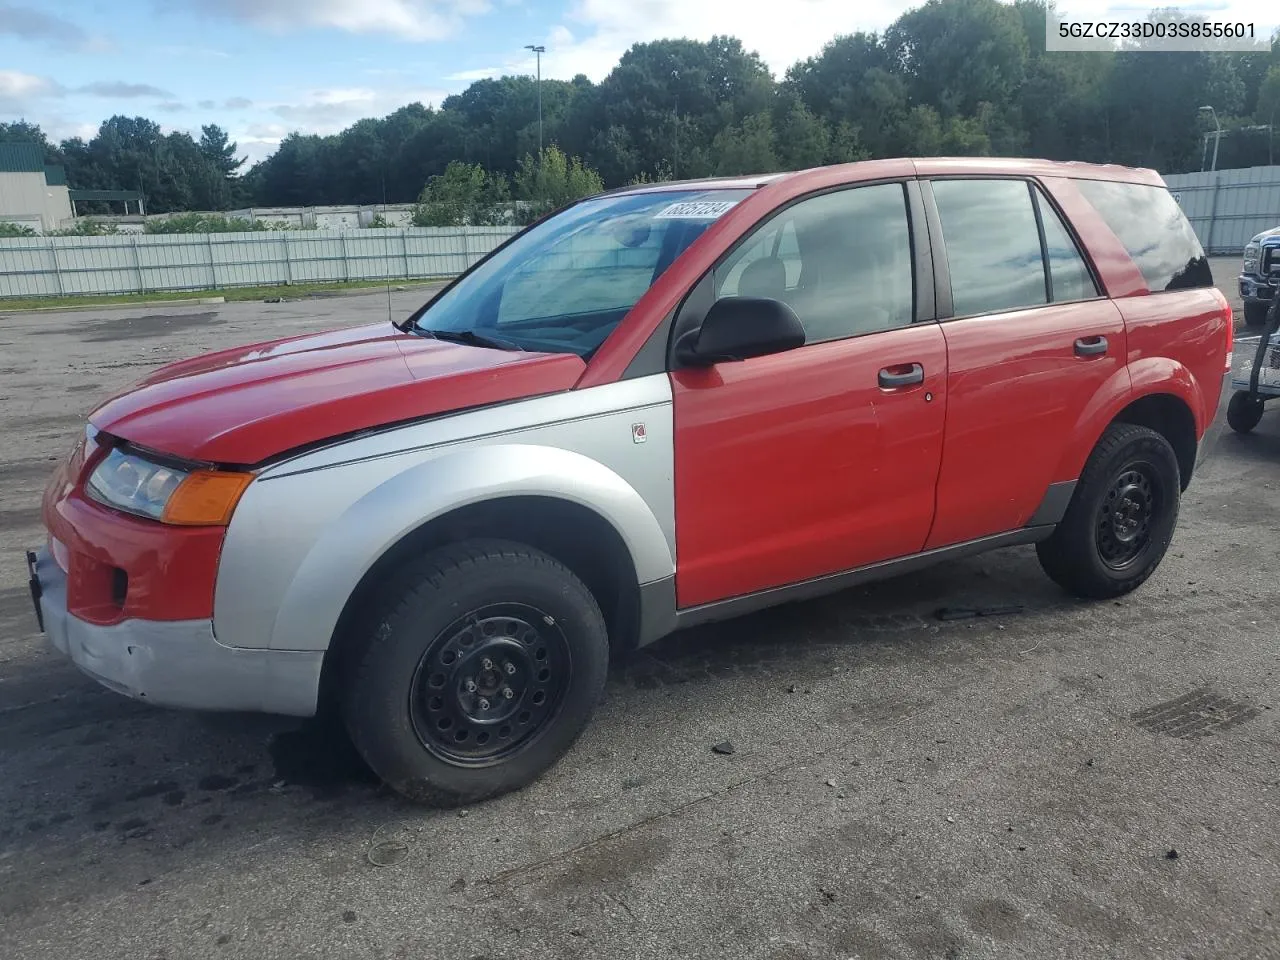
736	328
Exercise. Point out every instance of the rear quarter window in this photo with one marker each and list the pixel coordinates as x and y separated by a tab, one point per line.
1152	227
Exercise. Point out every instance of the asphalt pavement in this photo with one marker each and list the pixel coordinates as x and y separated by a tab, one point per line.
1070	780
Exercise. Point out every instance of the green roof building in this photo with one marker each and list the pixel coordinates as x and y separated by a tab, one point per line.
32	193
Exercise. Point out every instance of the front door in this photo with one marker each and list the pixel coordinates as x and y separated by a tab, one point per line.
824	458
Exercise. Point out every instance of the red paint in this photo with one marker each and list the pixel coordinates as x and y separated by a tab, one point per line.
170	570
796	465
1016	389
242	406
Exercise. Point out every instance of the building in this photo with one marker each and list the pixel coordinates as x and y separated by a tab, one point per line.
32	193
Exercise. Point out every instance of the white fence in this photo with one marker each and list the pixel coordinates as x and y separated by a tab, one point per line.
67	266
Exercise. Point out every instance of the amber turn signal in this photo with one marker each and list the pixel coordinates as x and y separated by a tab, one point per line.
206	498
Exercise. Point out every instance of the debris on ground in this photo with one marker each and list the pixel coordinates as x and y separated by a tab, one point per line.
1171	855
724	748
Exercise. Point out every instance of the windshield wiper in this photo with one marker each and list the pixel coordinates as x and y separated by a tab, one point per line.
470	338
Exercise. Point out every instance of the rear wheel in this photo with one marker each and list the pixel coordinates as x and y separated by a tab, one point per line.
1121	517
1244	411
1255	314
477	673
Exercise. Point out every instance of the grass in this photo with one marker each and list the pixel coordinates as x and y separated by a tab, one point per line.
290	291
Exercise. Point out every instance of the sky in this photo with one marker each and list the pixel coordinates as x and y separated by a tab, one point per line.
263	68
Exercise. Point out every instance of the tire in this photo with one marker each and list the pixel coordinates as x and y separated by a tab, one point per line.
1255	314
1244	411
476	673
1121	517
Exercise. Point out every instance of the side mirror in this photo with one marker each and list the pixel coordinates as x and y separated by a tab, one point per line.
736	328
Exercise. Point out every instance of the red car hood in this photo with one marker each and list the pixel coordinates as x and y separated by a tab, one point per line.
244	405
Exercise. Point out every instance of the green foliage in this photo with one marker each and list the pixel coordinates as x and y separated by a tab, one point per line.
87	227
463	194
379	222
15	230
556	180
208	223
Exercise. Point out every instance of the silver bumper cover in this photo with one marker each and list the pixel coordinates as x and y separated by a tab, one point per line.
177	663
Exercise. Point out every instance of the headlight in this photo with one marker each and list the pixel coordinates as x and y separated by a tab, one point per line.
1251	258
170	494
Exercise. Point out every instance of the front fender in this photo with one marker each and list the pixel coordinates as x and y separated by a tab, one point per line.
1144	377
353	541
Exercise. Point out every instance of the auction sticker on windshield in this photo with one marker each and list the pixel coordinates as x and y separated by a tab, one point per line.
695	210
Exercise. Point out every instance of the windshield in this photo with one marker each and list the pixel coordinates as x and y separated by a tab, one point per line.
563	285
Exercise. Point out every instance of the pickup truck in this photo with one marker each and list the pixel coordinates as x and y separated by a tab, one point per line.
1259	275
660	406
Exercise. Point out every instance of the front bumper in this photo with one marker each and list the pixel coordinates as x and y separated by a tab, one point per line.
175	663
1254	289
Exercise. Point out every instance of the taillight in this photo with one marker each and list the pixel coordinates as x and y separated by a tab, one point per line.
1231	333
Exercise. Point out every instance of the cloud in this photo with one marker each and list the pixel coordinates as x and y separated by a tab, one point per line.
124	91
171	106
483	73
206	104
26	23
19	91
237	103
598	32
330	110
403	19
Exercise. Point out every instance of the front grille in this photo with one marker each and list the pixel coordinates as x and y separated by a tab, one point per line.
1270	260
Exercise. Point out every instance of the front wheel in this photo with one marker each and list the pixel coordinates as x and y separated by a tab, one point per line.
1255	314
1244	411
1121	517
477	674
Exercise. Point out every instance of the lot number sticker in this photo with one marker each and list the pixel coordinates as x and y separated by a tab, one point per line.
695	210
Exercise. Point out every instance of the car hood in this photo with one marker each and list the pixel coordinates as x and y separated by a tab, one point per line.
245	405
1272	234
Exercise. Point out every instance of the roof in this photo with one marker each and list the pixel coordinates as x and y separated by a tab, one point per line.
83	195
924	167
21	158
55	175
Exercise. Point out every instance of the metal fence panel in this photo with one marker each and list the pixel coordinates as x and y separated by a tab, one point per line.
1227	208
64	266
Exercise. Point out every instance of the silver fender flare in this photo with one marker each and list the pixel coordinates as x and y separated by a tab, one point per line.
350	545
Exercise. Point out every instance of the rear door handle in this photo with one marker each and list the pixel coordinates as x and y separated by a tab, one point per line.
1091	346
901	375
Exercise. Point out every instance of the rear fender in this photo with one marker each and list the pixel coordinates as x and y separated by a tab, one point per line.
1141	378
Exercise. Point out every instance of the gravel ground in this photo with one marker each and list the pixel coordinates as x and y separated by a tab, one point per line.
1073	780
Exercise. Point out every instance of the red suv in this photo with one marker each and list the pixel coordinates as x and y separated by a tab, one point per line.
661	406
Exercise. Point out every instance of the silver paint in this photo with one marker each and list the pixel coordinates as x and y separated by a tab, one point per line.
308	529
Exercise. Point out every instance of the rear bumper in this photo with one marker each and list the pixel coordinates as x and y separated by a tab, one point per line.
176	663
1209	441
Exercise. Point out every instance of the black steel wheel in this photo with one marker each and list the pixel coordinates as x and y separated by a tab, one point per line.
474	672
1126	514
1255	313
489	683
1121	518
1244	411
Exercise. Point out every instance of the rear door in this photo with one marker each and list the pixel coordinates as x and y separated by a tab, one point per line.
1030	342
823	458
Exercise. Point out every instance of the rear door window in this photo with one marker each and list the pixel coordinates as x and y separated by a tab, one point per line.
1153	228
1069	277
993	245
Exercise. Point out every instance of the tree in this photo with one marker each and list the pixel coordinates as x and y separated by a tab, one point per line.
464	193
746	147
556	180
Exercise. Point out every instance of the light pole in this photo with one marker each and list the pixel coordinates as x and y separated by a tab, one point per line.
538	51
1217	135
675	170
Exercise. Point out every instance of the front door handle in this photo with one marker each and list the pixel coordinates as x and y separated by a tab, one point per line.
1091	346
901	375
